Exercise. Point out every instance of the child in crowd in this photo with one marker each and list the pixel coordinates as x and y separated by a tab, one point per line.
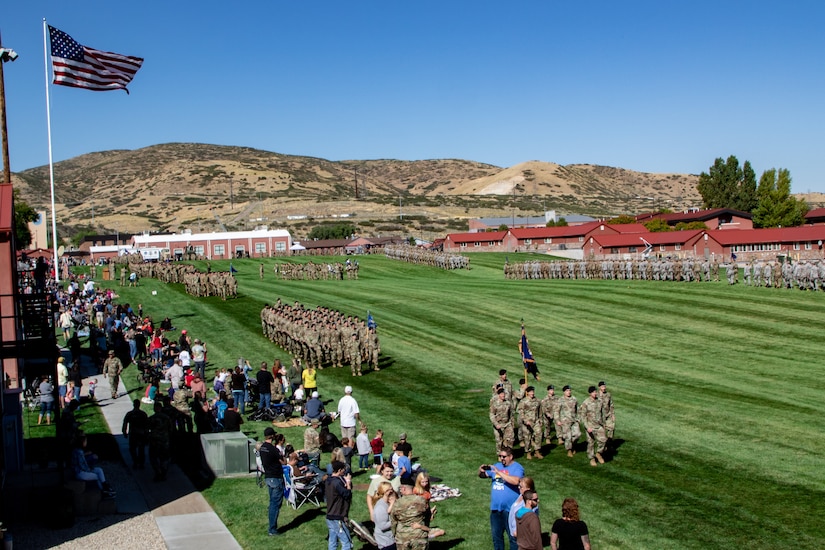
92	386
364	448
377	445
348	449
394	457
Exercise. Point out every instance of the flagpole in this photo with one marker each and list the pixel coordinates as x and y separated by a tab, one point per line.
51	162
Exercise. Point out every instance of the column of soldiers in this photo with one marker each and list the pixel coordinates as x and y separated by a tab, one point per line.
321	336
312	271
196	283
520	413
802	274
653	269
422	256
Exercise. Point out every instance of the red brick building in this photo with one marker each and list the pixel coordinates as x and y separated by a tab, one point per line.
258	243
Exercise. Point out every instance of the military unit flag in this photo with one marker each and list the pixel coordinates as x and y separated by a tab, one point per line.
527	357
82	67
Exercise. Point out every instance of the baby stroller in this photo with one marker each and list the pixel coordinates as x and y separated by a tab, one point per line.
147	371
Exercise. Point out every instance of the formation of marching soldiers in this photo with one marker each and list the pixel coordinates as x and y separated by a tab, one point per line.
312	271
421	256
321	336
521	414
196	283
802	274
653	269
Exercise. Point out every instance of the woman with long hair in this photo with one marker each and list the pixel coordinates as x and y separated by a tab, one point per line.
383	501
569	532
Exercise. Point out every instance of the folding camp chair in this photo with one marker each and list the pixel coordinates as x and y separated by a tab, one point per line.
300	490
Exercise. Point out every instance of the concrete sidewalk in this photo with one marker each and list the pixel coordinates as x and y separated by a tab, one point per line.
185	519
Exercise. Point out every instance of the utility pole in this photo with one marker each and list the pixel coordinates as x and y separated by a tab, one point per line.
356	182
6	54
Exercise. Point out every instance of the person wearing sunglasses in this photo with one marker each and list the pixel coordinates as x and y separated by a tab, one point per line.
529	526
505	475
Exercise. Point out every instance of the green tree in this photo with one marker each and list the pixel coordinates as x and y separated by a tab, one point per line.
23	214
727	185
776	206
560	223
332	231
503	227
686	226
624	219
657	225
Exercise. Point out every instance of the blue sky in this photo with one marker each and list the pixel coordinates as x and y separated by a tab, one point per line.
650	86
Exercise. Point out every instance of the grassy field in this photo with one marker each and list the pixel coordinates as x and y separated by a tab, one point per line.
716	392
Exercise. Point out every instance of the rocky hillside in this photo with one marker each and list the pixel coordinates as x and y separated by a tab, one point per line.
202	187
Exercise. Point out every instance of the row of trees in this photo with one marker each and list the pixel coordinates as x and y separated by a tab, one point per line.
729	185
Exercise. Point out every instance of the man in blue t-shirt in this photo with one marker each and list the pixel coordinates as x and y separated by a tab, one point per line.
506	475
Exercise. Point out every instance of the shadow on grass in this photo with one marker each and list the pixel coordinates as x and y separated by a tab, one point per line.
304	517
445	544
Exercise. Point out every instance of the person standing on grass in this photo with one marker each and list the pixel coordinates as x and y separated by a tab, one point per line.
265	380
62	381
506	475
609	415
593	421
569	532
272	463
348	413
160	441
46	400
529	526
338	495
567	418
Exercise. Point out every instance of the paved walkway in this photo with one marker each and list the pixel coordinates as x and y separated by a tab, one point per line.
185	519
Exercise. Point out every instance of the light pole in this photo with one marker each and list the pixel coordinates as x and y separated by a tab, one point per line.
6	54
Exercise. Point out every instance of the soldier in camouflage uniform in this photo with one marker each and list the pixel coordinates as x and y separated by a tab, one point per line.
112	368
593	420
518	395
548	409
606	401
355	355
160	441
409	520
502	382
501	417
567	417
529	418
373	348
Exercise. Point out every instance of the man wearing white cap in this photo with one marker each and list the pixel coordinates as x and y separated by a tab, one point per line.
349	414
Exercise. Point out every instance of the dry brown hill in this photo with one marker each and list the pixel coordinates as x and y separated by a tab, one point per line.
201	187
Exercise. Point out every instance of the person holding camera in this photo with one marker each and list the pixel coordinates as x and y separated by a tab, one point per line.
506	474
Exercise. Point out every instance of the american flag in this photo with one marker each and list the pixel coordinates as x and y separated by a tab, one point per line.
82	67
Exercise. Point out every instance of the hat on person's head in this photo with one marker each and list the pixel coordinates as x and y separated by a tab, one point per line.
269	432
111	352
314	421
565	388
500	390
183	331
602	384
551	387
314	394
591	389
403	436
348	389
